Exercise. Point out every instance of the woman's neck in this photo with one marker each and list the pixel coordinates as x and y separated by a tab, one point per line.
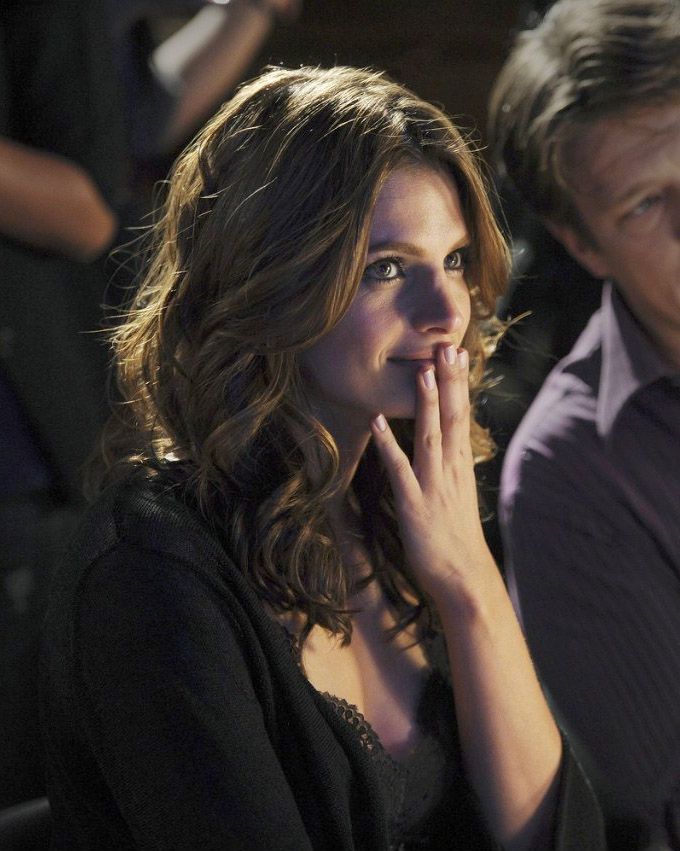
351	441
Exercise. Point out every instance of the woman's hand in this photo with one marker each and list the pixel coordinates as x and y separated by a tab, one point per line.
436	497
510	743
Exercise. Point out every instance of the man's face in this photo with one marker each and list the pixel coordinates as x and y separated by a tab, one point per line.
624	172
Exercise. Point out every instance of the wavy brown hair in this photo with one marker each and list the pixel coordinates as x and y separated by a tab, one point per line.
257	253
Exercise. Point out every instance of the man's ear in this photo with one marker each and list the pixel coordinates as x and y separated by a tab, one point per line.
583	251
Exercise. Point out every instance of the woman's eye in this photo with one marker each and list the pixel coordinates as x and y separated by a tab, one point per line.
385	269
456	260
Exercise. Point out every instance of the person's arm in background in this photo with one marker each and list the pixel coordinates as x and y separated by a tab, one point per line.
203	61
52	204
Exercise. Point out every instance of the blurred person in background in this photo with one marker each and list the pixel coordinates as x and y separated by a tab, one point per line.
62	189
70	118
177	60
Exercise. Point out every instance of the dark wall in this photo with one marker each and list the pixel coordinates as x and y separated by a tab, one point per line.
447	51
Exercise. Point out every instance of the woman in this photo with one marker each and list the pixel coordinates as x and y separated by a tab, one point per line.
260	635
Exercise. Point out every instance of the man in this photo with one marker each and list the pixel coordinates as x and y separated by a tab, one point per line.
585	121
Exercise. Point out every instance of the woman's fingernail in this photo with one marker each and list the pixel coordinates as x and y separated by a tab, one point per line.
462	358
428	378
450	354
380	422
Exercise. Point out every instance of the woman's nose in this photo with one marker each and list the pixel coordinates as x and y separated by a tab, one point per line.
440	306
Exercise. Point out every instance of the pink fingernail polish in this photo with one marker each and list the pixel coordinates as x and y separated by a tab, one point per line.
462	358
428	378
450	354
380	422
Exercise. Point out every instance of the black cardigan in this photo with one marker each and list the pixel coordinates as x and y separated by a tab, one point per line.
175	716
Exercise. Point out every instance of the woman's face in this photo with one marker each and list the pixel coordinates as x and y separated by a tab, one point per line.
413	297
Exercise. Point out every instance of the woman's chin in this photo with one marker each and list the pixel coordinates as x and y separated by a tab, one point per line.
403	410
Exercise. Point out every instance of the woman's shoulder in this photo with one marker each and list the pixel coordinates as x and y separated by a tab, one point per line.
143	533
142	549
150	511
145	602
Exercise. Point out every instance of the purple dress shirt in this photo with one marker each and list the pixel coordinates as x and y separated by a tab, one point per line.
590	510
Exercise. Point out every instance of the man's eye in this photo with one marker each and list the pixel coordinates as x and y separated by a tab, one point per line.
456	260
643	206
385	269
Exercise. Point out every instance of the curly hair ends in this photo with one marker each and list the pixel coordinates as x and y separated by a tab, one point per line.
258	252
586	60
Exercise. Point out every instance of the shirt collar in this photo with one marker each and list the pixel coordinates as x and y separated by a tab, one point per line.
629	360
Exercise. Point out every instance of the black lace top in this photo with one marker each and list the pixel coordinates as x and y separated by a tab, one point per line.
429	779
414	786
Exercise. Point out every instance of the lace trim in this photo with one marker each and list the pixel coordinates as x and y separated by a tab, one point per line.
426	761
355	718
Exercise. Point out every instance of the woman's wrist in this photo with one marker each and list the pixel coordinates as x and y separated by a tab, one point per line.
469	599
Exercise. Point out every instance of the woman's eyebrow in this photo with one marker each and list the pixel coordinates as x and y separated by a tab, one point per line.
404	247
408	247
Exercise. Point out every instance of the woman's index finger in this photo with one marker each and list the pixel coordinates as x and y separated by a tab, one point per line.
396	461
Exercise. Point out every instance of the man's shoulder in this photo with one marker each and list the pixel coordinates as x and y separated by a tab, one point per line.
563	414
556	463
